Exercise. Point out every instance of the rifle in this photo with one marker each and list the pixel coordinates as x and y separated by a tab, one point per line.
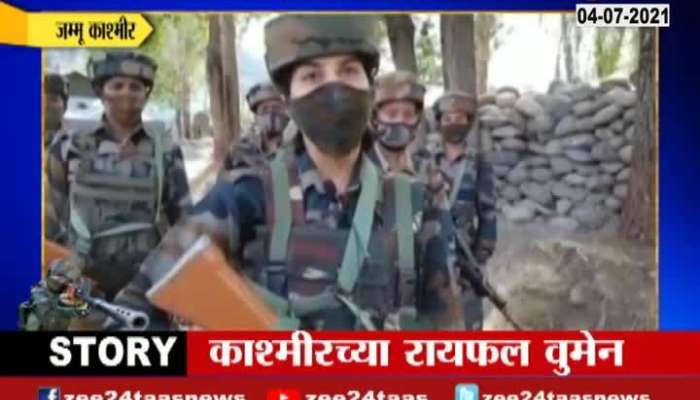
128	319
202	287
482	287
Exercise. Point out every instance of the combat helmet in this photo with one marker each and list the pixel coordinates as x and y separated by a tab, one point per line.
291	39
454	101
397	86
260	93
121	63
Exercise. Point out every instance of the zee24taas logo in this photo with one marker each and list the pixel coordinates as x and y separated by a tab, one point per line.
49	393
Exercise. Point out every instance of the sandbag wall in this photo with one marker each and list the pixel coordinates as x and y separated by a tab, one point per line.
561	158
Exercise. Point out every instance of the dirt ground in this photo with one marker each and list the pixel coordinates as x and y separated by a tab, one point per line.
554	280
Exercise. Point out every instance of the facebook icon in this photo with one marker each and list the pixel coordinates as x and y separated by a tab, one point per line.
467	392
50	393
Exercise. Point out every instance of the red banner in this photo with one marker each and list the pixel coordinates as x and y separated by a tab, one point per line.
438	353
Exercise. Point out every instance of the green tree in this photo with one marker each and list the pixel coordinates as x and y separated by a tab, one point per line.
428	59
178	45
608	50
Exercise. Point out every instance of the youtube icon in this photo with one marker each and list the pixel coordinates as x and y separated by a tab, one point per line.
283	394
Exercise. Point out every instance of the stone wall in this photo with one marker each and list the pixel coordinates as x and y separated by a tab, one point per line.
560	158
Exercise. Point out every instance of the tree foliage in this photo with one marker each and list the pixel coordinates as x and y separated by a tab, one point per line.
608	50
177	44
428	57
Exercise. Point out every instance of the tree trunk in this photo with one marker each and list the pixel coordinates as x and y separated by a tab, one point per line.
482	71
568	48
222	80
457	42
178	123
185	108
639	213
401	33
485	28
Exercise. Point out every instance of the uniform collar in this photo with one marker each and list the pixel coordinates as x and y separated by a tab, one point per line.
406	168
441	157
309	175
107	133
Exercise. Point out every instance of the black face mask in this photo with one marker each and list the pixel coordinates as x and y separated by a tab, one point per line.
394	136
454	133
272	124
334	117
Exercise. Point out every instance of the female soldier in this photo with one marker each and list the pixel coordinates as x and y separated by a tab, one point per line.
321	228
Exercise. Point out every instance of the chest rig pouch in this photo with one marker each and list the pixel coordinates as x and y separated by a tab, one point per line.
352	278
115	207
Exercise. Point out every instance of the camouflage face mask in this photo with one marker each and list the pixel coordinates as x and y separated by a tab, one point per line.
394	136
272	124
454	133
334	117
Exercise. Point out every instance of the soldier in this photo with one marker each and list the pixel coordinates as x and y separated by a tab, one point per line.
56	137
398	107
123	181
55	105
322	193
265	134
470	192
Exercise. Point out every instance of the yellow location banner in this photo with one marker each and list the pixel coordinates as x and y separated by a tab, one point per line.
74	29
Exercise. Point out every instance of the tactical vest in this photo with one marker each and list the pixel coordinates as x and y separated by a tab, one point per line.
115	208
464	212
359	278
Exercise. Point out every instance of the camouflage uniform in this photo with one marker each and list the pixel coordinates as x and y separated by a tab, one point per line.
253	149
54	212
119	196
471	196
54	85
243	216
395	137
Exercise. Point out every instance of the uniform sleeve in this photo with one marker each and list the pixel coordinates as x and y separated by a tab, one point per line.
57	176
227	214
486	211
176	191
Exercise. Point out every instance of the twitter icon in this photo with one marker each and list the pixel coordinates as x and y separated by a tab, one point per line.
467	392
